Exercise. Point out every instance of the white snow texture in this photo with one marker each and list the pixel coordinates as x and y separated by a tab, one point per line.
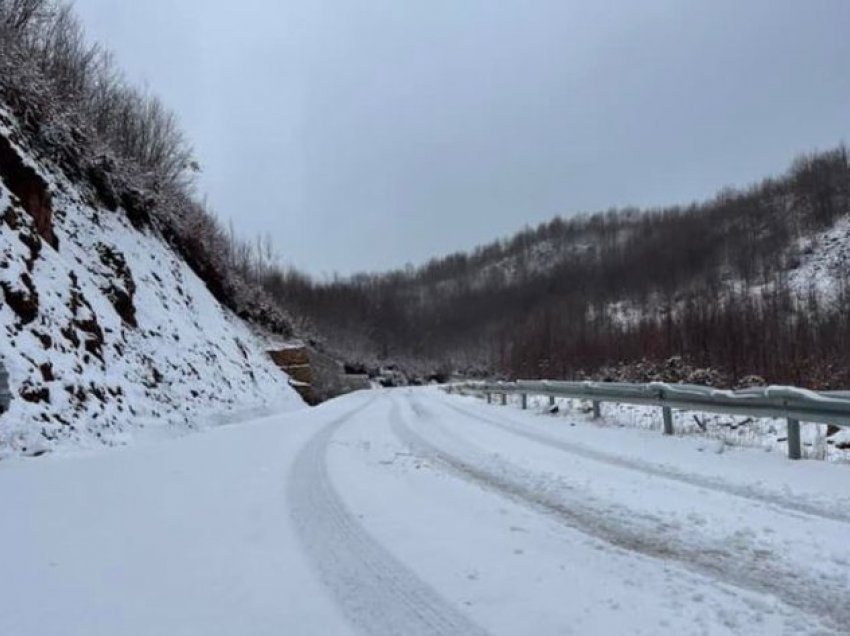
89	376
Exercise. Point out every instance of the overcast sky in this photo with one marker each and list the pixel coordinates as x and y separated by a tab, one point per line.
367	134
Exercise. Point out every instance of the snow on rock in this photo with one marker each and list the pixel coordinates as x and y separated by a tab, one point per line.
112	331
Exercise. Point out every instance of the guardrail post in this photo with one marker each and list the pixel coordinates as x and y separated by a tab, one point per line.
795	450
489	397
668	420
504	399
524	401
597	410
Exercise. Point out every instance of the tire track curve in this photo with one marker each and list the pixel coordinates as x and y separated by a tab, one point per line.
378	594
823	600
656	470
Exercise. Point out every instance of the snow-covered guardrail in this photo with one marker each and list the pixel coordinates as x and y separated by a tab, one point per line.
791	403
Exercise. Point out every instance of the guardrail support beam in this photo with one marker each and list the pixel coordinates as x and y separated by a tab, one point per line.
524	401
597	410
668	420
795	450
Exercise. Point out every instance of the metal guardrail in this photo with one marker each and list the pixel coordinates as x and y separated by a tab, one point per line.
793	404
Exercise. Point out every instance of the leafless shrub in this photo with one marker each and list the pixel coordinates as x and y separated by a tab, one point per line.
76	103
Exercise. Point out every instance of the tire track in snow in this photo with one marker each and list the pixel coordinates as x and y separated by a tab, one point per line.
656	470
379	595
621	527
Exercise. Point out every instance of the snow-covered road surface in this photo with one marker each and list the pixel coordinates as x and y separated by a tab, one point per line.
413	512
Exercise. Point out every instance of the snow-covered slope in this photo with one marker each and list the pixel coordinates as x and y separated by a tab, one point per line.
112	331
824	261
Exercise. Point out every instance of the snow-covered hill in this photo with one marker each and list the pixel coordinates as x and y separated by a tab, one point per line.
110	331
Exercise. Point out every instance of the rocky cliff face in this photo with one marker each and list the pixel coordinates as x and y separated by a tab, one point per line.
30	190
106	329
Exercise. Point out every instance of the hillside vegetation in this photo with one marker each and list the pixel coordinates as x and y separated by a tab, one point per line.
752	282
119	144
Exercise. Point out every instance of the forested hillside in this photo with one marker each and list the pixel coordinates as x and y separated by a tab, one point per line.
752	282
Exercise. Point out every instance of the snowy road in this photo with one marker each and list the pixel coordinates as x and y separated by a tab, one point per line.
412	512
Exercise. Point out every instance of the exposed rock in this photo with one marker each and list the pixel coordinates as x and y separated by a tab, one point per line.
33	244
121	287
85	321
22	300
47	372
32	191
35	394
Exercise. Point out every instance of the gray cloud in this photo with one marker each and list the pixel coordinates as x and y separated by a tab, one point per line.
364	134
